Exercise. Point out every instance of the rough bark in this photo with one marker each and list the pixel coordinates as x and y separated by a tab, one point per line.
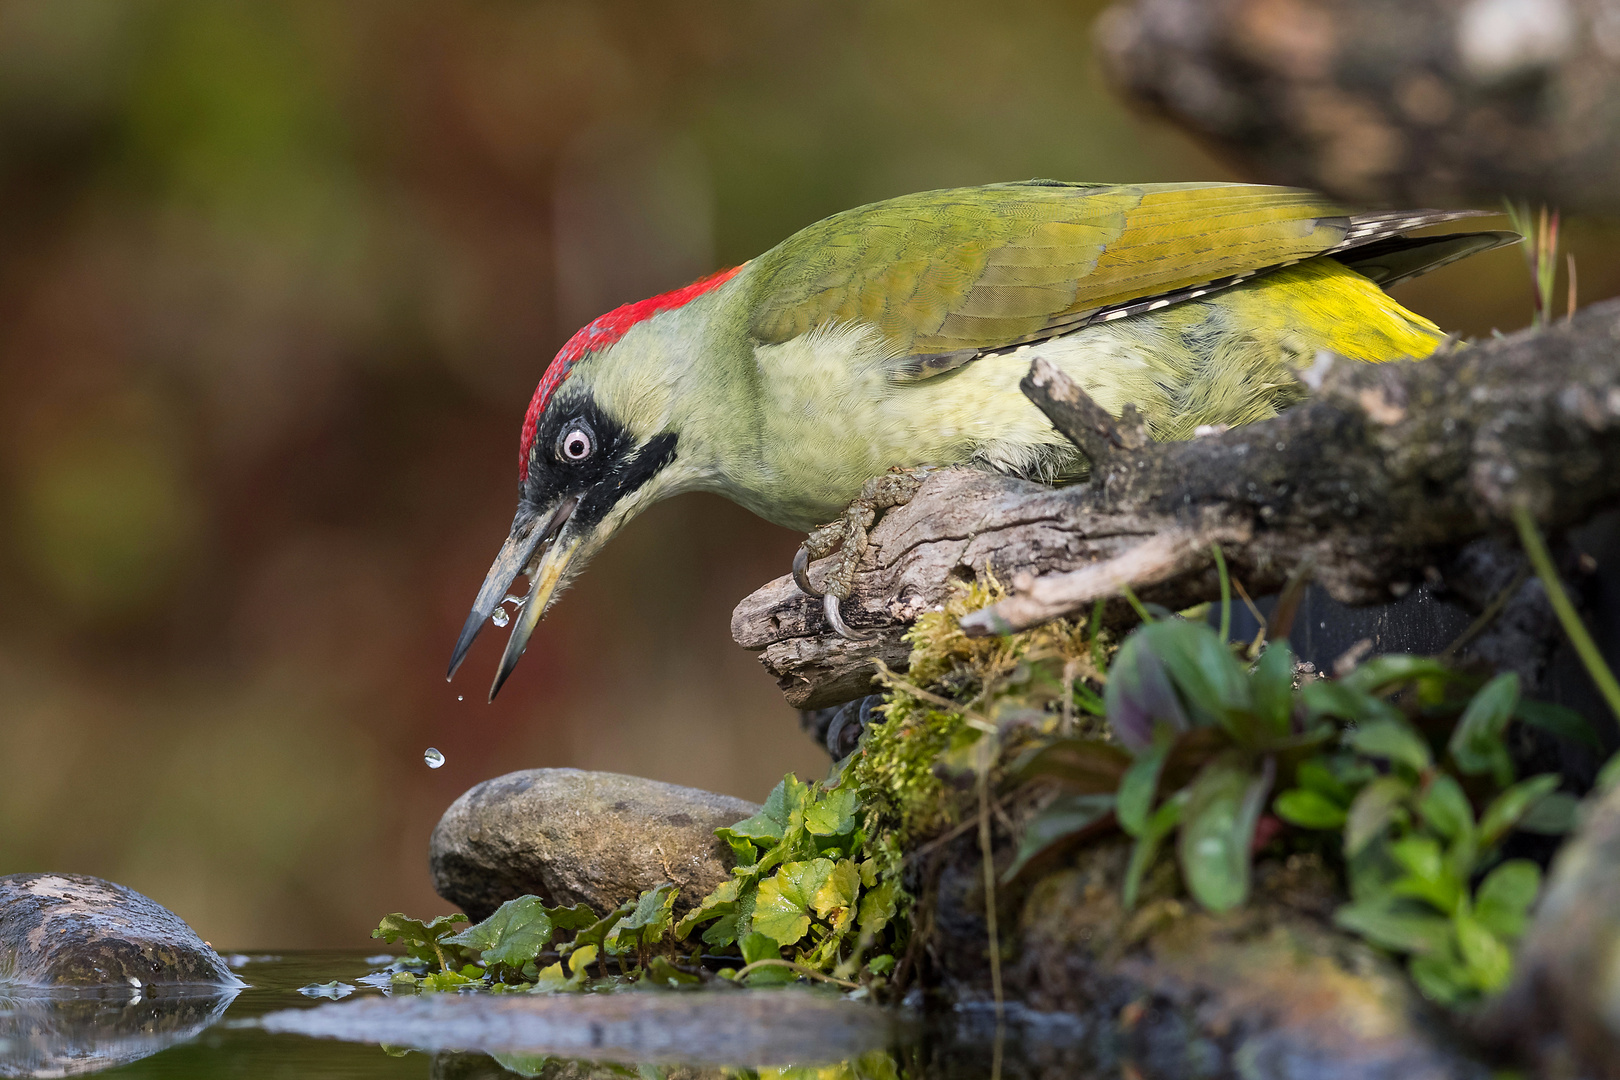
1400	102
1385	472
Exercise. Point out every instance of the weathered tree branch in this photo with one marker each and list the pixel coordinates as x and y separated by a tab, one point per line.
1399	102
1386	470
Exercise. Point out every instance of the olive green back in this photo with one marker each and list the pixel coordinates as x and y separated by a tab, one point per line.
980	268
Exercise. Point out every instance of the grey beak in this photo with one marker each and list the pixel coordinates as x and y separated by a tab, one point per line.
529	531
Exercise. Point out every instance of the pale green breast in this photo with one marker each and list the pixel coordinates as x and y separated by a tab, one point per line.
832	418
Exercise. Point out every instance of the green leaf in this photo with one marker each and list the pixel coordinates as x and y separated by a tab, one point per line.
878	906
1394	740
771	823
1163	821
1427	875
782	909
398	927
1213	684
834	901
1372	811
444	980
722	901
1217	828
551	978
1313	774
1327	697
1556	719
1088	700
1383	673
1445	808
596	933
1274	688
757	946
1309	809
833	814
1504	813
1476	742
1064	817
422	941
880	965
1502	902
1488	959
1552	816
1394	926
515	934
1139	785
1609	775
1142	703
530	1065
661	972
734	924
647	921
577	917
1443	978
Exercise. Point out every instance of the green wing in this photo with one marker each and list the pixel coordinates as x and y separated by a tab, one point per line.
961	271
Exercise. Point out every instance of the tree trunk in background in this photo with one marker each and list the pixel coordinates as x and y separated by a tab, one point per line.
1391	102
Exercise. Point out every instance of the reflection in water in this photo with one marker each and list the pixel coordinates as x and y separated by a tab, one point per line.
63	1034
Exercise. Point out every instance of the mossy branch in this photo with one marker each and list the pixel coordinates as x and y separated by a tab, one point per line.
1384	471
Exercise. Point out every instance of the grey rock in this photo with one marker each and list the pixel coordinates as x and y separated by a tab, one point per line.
570	836
70	931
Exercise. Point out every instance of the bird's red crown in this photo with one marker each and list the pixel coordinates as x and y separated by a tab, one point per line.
599	333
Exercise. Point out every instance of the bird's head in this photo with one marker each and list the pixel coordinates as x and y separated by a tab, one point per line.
597	448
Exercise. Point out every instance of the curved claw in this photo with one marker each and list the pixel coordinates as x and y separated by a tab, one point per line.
829	604
801	573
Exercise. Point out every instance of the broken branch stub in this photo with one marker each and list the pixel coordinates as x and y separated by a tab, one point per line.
1384	470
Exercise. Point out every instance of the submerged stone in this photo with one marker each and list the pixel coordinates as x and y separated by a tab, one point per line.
71	931
571	836
732	1027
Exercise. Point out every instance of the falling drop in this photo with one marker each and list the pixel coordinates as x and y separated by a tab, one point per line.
500	617
433	758
459	697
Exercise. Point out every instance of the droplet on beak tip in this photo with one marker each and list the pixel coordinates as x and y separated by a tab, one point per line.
499	617
433	758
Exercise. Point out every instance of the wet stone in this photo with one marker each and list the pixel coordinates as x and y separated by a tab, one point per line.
70	931
572	836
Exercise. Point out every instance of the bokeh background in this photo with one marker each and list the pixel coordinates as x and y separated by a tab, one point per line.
276	282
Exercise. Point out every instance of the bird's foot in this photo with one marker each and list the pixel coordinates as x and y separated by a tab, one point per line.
847	536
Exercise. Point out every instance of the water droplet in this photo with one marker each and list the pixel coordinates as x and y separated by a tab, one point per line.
459	697
433	758
499	617
515	601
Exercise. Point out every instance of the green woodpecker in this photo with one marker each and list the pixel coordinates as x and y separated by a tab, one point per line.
894	336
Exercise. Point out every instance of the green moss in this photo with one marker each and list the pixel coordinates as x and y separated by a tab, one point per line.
952	677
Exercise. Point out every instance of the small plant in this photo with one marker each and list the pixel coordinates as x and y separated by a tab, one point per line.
1541	233
1198	741
804	886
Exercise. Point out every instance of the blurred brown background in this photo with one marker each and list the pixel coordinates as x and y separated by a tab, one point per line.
276	282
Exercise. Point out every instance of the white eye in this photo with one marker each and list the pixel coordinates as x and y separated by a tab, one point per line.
575	443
